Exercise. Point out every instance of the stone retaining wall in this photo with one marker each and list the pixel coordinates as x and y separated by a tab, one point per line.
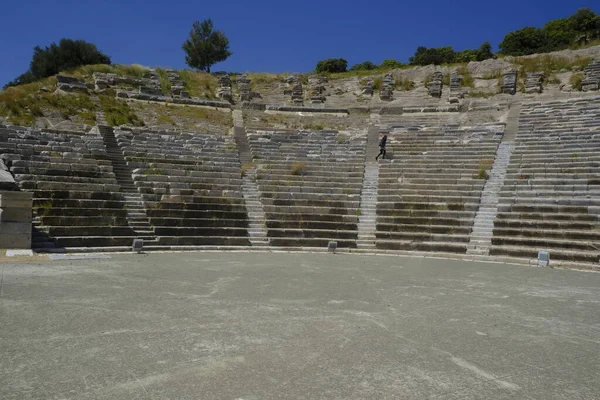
15	220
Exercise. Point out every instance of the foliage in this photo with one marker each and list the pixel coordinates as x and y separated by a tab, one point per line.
199	84
391	64
447	55
118	112
205	46
331	65
245	168
25	103
68	54
575	81
365	66
556	34
549	64
165	83
297	168
405	84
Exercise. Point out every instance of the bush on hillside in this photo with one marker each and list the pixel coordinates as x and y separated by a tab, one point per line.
331	65
365	66
556	34
447	55
391	64
68	54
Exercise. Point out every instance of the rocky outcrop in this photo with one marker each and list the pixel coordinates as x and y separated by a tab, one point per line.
533	82
244	88
509	83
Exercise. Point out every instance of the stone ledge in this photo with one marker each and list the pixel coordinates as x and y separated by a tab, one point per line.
269	107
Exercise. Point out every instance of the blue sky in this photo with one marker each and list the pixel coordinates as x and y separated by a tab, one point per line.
266	36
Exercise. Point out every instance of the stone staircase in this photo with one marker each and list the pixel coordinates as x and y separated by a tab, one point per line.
368	207
134	205
481	235
256	215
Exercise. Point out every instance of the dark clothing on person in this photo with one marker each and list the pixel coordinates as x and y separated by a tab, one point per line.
382	143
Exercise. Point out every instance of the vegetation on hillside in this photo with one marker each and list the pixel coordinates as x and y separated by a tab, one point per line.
205	46
24	104
67	55
558	34
331	65
447	55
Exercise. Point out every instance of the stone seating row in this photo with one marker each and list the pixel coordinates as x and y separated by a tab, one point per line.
430	185
76	196
190	184
551	196
309	184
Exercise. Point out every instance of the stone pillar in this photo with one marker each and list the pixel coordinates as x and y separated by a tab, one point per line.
15	220
295	90
533	82
435	86
509	83
316	88
456	92
591	80
386	92
224	90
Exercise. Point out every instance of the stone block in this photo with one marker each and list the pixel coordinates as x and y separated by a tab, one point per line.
15	199
15	235
15	214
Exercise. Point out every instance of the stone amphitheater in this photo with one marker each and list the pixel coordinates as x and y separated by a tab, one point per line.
500	178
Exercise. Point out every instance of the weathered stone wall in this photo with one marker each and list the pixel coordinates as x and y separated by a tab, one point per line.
509	83
15	220
533	82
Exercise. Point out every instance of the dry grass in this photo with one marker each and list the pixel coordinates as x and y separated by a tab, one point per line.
246	167
297	168
163	78
575	81
199	84
24	104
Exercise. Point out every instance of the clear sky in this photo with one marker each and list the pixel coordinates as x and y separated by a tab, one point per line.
268	35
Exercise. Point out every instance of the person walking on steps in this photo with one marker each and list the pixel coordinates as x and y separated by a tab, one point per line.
382	143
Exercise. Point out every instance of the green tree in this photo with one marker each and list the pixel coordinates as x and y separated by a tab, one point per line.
391	64
331	65
205	46
585	22
559	33
365	66
524	41
437	56
485	51
67	54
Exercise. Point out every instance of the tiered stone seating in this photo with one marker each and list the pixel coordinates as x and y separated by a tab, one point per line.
551	196
76	196
429	191
310	184
191	186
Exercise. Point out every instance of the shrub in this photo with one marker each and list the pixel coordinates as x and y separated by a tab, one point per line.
331	65
297	168
575	81
341	138
118	112
405	84
365	66
246	167
68	54
391	64
163	78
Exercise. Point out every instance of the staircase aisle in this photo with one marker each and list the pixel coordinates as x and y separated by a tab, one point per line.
483	226
136	212
368	207
368	197
257	230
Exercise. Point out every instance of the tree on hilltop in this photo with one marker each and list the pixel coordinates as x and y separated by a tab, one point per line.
205	46
331	65
66	55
